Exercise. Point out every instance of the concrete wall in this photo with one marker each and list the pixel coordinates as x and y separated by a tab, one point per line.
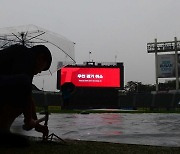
94	98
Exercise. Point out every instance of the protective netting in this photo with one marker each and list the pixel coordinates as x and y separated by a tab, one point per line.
61	48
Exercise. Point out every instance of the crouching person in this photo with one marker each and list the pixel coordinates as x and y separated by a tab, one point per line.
18	65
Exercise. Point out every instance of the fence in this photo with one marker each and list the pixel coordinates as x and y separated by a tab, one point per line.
153	101
111	98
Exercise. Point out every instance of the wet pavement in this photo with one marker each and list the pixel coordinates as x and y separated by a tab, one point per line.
147	129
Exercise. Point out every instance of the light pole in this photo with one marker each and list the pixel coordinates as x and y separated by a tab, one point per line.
115	58
90	55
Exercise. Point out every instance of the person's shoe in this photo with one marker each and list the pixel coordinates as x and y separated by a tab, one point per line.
13	140
26	127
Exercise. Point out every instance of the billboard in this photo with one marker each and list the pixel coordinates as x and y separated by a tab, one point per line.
166	66
110	77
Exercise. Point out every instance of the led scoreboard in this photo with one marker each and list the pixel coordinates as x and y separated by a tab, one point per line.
92	76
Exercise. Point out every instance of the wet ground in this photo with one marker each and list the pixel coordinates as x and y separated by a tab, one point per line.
147	129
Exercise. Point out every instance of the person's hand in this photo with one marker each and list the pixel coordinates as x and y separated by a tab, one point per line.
42	128
29	125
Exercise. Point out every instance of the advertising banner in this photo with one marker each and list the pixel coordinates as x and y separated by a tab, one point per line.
166	66
91	77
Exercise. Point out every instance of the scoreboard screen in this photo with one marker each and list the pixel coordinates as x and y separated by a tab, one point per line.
110	77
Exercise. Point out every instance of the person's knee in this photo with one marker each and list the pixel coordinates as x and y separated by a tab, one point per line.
16	90
21	90
24	84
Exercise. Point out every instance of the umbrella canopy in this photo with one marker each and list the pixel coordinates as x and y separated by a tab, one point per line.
61	48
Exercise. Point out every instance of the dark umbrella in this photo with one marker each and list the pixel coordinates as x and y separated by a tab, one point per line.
61	48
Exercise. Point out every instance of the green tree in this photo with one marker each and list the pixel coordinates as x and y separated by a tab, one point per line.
136	87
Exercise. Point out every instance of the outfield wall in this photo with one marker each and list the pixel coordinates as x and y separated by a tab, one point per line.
152	101
109	98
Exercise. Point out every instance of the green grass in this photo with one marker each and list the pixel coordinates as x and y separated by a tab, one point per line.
88	147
